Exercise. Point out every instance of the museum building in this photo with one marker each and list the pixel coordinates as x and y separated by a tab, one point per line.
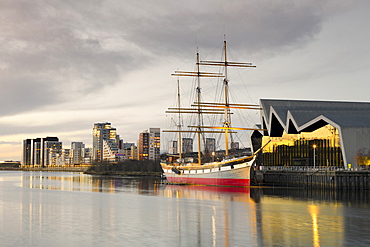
313	133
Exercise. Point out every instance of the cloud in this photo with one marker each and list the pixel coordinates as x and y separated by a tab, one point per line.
56	51
67	64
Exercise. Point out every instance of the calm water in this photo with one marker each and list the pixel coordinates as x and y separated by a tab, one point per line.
70	209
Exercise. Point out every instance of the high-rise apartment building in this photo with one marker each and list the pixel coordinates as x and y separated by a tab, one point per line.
143	145
87	154
52	151
187	145
77	149
234	145
149	144
210	145
173	149
154	144
27	158
105	142
66	158
41	151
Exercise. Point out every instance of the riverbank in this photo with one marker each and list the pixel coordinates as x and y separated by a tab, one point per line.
85	170
127	173
46	169
315	179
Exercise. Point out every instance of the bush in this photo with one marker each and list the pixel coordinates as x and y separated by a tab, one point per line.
126	166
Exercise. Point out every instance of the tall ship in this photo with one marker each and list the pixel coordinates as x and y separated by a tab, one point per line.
228	169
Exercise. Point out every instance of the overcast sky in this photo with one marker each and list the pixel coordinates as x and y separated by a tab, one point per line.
65	65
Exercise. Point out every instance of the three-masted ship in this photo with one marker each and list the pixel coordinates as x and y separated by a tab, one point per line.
230	170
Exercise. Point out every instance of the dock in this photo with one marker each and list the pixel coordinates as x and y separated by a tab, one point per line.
308	177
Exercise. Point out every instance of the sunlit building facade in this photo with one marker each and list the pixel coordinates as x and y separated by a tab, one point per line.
105	142
149	144
41	152
320	147
143	145
67	157
313	133
52	151
77	149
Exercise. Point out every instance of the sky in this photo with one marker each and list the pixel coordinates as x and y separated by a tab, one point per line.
65	65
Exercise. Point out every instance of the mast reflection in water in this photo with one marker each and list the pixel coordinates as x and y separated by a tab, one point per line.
70	209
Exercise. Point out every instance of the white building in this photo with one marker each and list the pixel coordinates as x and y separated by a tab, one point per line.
77	149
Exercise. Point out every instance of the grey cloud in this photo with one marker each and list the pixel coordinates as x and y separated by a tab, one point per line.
251	25
33	131
54	51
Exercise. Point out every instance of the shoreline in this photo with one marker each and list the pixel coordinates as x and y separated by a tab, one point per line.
84	170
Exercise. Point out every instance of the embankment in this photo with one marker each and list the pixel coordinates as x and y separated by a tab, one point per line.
315	179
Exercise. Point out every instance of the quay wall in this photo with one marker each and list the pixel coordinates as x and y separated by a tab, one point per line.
47	169
315	179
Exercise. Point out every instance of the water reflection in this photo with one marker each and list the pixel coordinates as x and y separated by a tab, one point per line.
215	216
313	210
184	215
88	183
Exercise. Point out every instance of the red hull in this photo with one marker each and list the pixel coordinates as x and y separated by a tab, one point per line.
210	181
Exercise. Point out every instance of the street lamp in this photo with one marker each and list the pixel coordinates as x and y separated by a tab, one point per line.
314	155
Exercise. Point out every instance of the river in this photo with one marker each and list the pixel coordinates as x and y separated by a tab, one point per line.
73	209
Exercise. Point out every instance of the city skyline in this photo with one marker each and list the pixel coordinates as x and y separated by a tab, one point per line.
64	66
107	147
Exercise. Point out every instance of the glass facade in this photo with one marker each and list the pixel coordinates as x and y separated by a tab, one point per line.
318	148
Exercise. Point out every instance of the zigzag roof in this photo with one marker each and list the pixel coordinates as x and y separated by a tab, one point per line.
295	116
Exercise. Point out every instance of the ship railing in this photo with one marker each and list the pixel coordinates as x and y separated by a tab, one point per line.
300	168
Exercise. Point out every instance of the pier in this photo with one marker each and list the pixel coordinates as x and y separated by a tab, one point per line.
318	178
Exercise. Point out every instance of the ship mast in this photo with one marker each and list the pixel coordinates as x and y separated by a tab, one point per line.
179	146
227	123
226	96
198	110
201	108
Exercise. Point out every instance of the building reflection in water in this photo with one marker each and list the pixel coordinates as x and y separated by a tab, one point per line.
88	183
218	216
222	216
265	220
313	210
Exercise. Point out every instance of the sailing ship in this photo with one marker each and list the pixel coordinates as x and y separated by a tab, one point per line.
231	169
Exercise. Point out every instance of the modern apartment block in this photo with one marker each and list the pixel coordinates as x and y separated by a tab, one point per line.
77	149
52	150
234	145
129	151
105	142
41	151
210	145
173	149
87	155
187	145
149	144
